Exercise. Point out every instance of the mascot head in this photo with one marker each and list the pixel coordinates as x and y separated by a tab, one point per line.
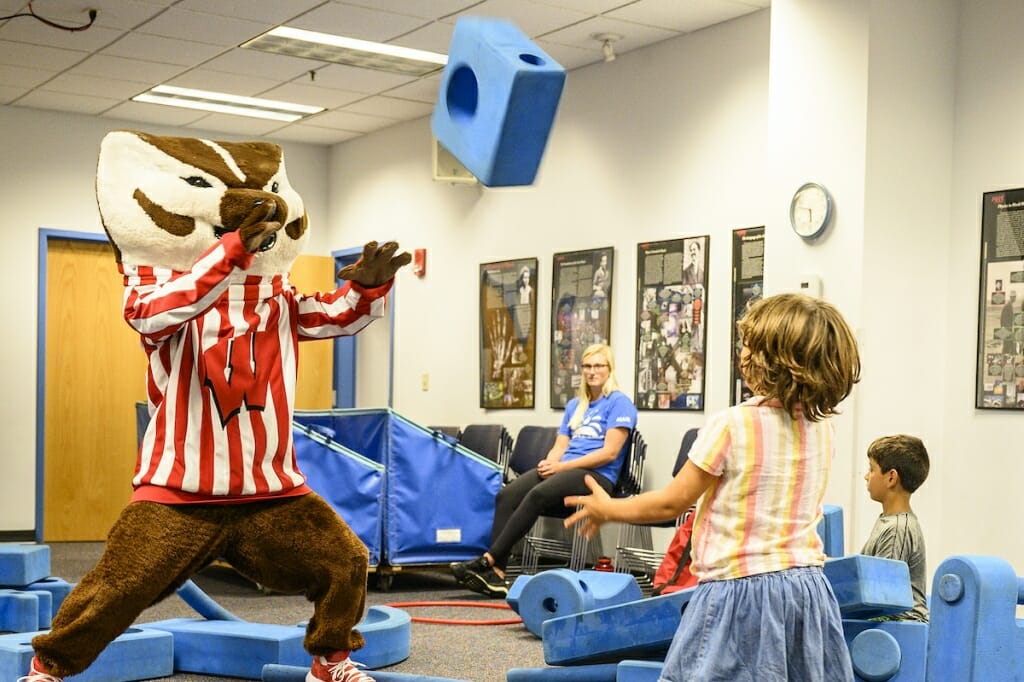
166	200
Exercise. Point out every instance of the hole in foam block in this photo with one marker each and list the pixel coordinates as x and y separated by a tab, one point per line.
463	95
532	59
550	605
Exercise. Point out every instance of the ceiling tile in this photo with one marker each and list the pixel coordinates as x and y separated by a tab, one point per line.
129	69
633	35
390	107
347	121
77	84
306	93
36	33
9	93
301	132
218	81
203	27
435	37
357	22
532	18
680	16
154	113
21	77
164	50
263	64
60	101
570	57
351	78
426	9
588	6
121	14
269	11
235	125
38	56
423	90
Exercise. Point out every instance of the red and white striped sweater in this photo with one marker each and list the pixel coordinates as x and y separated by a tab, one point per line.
223	351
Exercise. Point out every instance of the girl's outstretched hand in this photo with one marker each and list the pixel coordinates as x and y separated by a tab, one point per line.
591	514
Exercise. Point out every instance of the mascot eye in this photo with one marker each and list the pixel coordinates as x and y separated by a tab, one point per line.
273	187
197	181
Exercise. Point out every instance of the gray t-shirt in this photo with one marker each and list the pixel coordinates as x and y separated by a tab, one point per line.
899	536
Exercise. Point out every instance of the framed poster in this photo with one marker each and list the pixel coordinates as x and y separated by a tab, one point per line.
508	333
671	333
747	287
581	314
1000	377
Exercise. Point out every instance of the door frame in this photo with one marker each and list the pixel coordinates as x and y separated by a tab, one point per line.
45	235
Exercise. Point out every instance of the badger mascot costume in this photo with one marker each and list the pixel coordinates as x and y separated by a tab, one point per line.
204	233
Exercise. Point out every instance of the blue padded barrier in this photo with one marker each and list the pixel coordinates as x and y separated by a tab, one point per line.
498	97
601	672
136	654
868	586
351	483
58	588
974	634
830	528
287	673
892	651
638	671
439	496
23	564
562	592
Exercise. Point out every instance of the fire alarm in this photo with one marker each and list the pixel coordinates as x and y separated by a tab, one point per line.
419	262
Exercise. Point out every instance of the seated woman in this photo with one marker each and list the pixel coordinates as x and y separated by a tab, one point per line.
591	440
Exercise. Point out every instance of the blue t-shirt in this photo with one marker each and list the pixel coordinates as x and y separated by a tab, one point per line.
607	412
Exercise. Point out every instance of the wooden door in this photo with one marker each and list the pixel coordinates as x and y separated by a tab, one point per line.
95	373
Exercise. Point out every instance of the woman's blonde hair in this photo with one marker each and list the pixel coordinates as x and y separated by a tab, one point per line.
583	393
801	352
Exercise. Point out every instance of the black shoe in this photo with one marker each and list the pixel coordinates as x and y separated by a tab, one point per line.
486	583
462	569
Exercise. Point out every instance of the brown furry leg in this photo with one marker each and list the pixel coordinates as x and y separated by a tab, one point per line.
302	545
151	550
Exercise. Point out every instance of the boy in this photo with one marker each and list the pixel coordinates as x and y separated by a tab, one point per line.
897	466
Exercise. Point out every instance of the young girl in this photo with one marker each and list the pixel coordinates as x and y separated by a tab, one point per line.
763	609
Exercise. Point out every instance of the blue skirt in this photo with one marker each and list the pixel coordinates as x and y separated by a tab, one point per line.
774	627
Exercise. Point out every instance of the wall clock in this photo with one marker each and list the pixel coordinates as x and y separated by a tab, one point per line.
810	212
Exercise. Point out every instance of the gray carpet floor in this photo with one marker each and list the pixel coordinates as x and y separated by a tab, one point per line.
480	653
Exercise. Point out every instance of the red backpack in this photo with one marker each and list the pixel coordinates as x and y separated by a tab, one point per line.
673	573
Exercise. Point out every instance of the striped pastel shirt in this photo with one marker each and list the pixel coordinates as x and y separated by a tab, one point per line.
223	362
762	512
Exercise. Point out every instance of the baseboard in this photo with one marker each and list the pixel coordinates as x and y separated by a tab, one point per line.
17	536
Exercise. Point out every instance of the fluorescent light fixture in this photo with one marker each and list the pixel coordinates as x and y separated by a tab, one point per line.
324	47
224	103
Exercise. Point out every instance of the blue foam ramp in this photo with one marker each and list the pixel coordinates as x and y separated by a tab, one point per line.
868	586
638	671
581	673
19	611
136	654
58	588
232	648
562	592
497	101
893	651
638	629
22	565
830	528
287	673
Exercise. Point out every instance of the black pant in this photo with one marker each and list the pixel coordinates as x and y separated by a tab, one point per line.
529	496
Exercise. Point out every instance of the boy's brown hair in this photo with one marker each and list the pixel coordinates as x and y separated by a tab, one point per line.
906	454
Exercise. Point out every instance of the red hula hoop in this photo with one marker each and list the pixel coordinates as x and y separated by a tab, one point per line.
453	621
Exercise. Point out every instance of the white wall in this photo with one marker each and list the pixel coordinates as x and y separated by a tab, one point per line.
48	181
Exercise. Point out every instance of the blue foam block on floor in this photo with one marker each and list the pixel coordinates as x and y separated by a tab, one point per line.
59	590
868	586
582	673
893	651
638	671
388	635
287	673
136	654
232	648
562	592
19	611
22	565
497	101
516	591
639	629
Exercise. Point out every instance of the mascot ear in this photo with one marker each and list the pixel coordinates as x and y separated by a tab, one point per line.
377	265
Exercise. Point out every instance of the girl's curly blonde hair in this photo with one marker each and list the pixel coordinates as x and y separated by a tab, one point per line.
801	352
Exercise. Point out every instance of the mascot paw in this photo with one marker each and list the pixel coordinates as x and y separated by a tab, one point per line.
257	231
377	265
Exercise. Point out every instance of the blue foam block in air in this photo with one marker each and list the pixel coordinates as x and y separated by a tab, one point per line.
136	654
22	565
58	588
638	629
638	671
19	611
232	648
562	592
581	673
288	673
868	586
497	102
